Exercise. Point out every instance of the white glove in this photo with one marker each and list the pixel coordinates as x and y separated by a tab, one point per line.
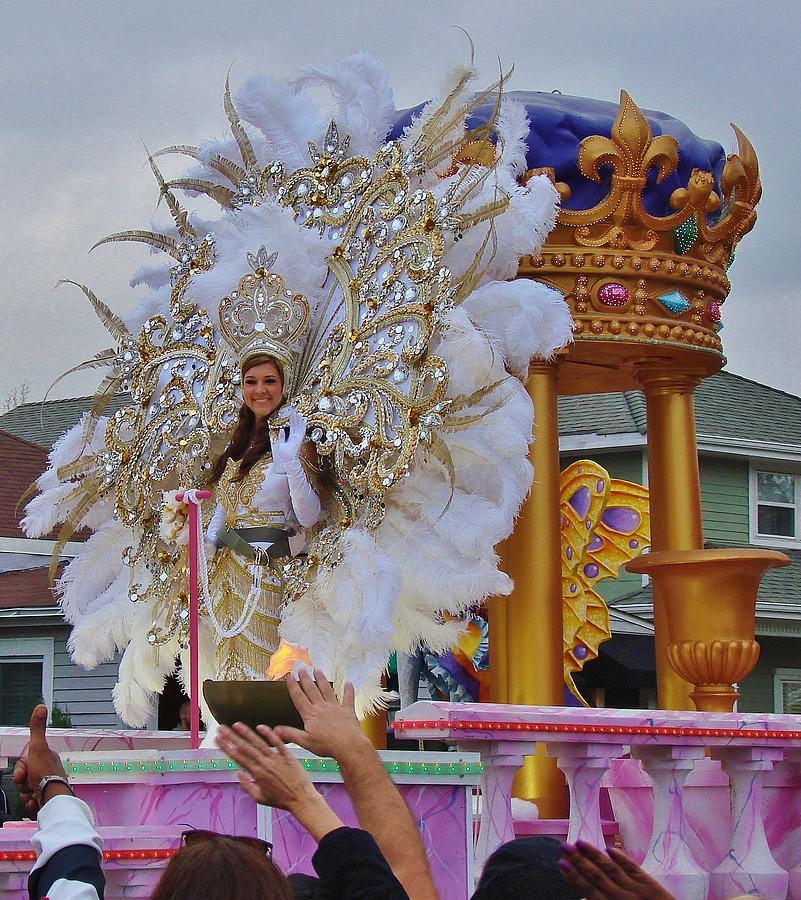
286	447
216	523
286	461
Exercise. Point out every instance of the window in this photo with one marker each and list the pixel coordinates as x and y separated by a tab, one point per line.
775	507
787	691
26	678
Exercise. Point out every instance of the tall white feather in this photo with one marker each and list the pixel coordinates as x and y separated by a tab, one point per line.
521	319
92	571
512	128
365	103
449	85
105	627
143	670
287	120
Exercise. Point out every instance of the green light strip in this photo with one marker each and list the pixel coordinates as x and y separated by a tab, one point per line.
394	767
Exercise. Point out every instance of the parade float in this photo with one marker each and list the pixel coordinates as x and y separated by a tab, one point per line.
441	223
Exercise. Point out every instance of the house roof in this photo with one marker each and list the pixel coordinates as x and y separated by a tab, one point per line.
26	588
726	406
619	413
730	406
779	592
44	423
23	463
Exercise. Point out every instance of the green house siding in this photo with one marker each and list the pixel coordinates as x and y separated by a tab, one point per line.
724	499
627	466
757	689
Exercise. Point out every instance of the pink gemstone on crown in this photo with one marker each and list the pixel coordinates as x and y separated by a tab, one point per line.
713	311
614	294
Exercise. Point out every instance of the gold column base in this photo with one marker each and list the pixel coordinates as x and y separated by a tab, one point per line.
375	727
540	781
715	697
713	667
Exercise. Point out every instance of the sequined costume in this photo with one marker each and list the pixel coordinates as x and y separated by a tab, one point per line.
376	263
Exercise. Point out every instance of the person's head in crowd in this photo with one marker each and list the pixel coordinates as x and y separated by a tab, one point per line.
525	867
184	716
222	868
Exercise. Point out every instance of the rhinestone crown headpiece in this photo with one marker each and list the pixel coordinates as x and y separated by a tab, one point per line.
263	317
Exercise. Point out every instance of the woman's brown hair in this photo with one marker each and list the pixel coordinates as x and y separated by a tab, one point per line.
221	869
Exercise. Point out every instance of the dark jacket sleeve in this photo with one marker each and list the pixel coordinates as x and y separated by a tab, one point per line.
351	867
68	853
72	873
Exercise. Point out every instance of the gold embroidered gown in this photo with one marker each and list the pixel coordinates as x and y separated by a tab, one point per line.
262	498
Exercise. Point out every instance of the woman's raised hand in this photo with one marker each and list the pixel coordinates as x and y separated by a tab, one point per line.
286	447
286	461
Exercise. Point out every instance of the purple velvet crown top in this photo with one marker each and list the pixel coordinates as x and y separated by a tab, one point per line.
558	125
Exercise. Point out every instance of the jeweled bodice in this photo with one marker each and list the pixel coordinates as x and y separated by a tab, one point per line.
239	498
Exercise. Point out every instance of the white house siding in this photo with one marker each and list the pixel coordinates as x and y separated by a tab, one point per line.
85	696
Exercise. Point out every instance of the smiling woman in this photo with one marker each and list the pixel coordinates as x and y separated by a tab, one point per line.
262	387
263	497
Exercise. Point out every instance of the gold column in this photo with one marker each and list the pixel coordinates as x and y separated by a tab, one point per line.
534	673
674	484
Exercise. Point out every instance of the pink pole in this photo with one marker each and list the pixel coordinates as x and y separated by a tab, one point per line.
194	686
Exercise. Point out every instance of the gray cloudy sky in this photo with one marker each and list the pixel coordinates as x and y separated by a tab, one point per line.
83	81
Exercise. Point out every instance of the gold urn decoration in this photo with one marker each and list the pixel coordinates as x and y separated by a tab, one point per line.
711	615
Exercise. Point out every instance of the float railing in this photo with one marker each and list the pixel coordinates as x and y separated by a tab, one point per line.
708	803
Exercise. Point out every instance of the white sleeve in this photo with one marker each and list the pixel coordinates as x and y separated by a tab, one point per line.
66	824
305	502
302	497
216	523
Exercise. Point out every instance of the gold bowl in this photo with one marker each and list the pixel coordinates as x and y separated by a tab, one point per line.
252	702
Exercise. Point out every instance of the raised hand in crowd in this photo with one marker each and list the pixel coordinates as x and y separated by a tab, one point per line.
348	861
272	775
331	728
68	847
38	762
608	876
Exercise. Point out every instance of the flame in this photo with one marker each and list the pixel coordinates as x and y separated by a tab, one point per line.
284	659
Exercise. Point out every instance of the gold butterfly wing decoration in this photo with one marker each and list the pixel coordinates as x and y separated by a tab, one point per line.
605	522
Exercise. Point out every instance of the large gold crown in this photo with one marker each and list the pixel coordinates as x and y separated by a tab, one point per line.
653	283
262	317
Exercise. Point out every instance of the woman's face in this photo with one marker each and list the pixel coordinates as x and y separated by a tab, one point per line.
262	386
